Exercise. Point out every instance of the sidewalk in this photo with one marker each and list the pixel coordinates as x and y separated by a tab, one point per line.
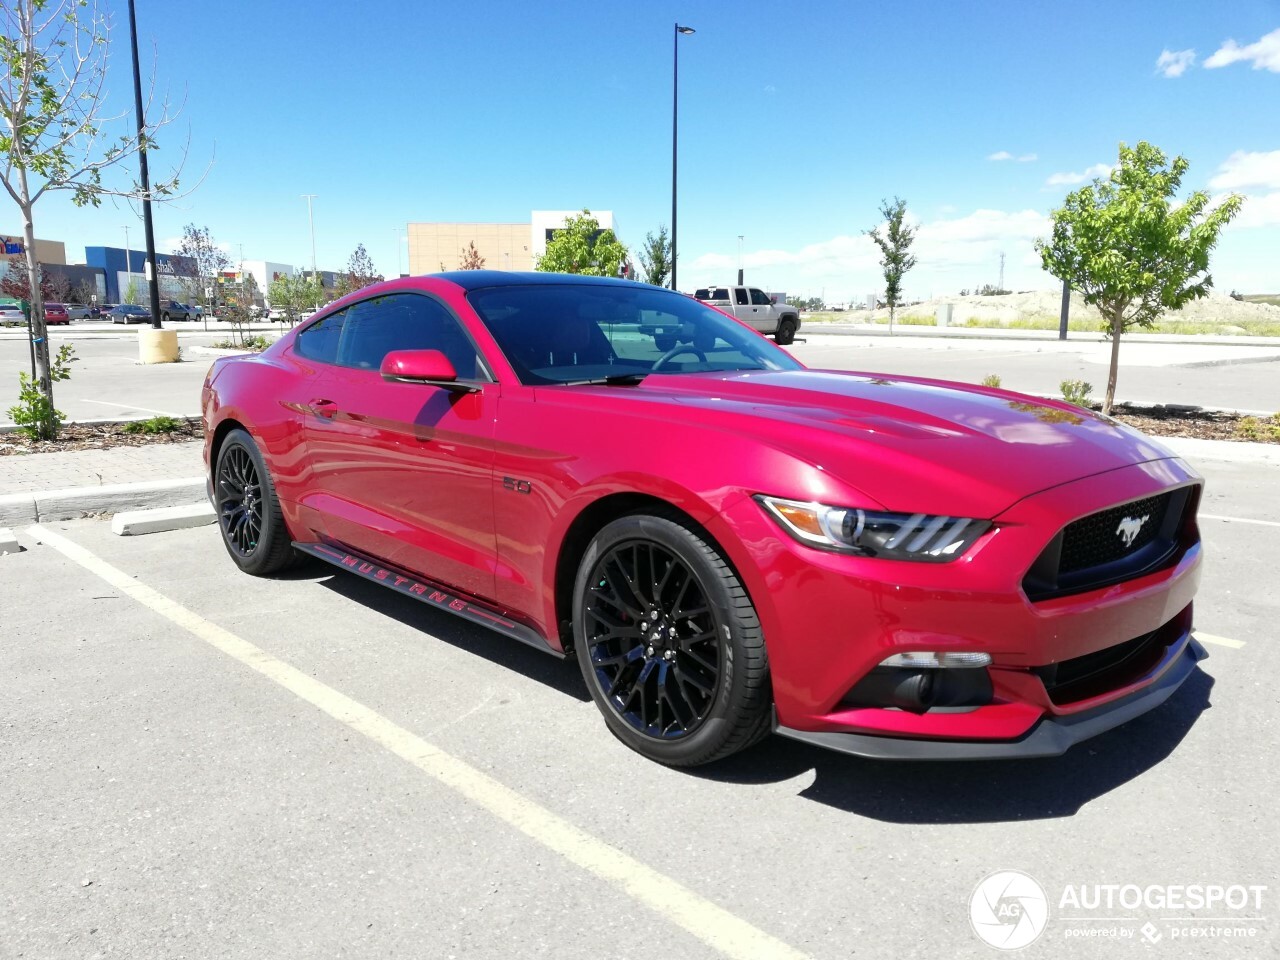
34	473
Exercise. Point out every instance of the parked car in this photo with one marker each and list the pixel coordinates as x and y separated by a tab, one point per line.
55	314
175	310
727	542
78	311
10	312
755	308
128	313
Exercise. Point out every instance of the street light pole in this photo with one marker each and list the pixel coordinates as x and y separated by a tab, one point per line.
152	275
128	267
675	127
740	280
312	221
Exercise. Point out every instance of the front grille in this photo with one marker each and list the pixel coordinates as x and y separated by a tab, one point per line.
1097	539
1119	543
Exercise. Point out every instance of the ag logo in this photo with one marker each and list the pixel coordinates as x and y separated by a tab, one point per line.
1129	529
1008	910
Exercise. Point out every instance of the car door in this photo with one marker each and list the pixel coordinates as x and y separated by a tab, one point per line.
742	305
763	315
403	471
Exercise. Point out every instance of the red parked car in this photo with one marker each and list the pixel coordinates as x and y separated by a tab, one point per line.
728	542
56	313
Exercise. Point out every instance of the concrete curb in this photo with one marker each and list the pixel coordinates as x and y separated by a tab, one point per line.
19	508
839	329
1222	451
8	542
110	422
136	523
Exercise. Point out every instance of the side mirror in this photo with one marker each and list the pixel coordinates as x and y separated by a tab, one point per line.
423	366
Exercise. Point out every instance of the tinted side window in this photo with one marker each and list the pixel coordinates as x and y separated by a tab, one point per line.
404	321
739	295
758	298
319	341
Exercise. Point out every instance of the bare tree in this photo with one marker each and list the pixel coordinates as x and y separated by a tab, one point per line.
198	261
55	130
471	258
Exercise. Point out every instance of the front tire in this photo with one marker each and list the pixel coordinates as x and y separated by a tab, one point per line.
249	517
669	643
786	331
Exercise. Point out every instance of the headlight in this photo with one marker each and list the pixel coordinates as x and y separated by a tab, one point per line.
865	533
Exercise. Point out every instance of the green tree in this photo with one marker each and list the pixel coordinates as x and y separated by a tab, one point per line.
240	305
132	293
1131	249
581	246
894	258
655	257
53	134
360	273
295	295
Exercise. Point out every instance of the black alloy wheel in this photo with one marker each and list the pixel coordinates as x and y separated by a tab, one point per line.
669	643
249	518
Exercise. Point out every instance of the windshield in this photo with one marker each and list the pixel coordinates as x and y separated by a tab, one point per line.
574	333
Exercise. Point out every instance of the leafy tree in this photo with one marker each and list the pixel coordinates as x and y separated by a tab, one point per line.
471	259
199	261
295	295
53	133
240	305
655	257
132	293
582	247
1131	248
360	273
894	244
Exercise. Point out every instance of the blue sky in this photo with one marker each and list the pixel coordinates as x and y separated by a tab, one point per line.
796	120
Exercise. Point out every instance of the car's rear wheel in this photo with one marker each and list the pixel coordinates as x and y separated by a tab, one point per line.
253	528
669	642
786	331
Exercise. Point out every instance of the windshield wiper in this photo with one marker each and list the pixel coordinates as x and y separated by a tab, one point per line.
628	379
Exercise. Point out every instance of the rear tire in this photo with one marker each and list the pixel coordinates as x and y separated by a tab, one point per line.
786	331
669	643
249	517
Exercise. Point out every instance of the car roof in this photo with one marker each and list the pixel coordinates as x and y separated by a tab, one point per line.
478	279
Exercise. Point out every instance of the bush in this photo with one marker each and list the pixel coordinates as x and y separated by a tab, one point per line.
991	380
154	425
34	415
1076	392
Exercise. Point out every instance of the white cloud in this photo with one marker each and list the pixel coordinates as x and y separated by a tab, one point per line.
1072	179
1264	55
1244	169
1006	155
1174	63
1259	210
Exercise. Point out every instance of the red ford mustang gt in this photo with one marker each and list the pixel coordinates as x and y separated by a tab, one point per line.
729	543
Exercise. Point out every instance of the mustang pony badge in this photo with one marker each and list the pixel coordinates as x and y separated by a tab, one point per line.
1129	529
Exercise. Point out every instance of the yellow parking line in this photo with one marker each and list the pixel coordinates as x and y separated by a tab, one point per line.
1219	641
712	924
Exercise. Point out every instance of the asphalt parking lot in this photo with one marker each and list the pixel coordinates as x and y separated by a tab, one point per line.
196	763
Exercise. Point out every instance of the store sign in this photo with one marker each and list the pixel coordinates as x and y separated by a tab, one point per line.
13	246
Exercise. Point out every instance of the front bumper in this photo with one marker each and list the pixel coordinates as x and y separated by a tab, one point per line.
1051	737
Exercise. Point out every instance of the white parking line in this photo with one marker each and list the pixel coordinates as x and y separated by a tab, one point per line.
130	406
1219	641
712	924
1261	523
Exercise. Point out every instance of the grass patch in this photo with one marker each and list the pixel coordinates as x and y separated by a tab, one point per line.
254	344
154	425
1271	298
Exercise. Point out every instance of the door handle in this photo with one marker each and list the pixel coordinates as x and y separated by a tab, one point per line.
323	408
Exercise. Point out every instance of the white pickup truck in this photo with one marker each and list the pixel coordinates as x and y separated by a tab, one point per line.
754	308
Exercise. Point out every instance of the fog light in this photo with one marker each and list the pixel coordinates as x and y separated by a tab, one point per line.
925	659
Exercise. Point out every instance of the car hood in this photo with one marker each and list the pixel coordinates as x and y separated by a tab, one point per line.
913	444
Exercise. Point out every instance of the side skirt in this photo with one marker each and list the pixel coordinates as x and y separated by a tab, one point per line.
410	586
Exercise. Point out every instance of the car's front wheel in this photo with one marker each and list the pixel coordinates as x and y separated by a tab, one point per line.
669	642
786	331
249	517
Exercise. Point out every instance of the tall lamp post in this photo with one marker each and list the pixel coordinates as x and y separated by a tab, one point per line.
675	126
152	279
